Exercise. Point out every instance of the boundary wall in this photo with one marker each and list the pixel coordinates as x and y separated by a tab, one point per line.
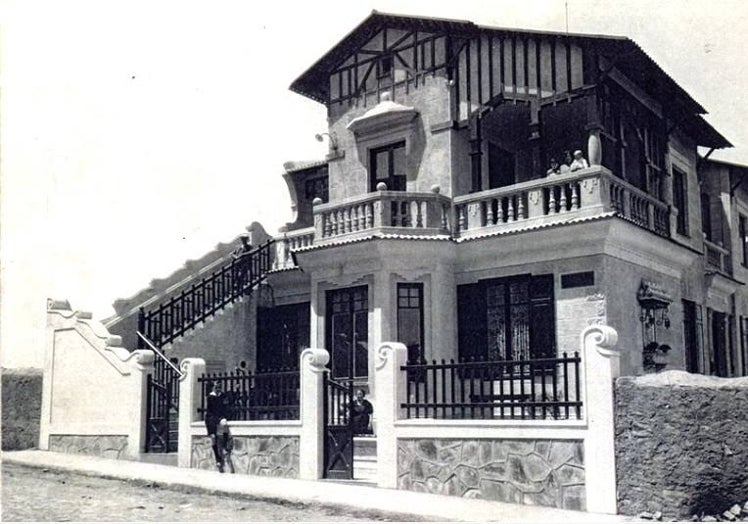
93	392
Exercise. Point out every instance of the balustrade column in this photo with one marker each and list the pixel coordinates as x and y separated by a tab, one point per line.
474	215
319	225
650	216
382	212
535	204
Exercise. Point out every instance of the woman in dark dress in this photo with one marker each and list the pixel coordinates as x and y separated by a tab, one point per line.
361	410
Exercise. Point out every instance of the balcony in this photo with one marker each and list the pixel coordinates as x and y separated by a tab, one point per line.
717	257
584	194
536	203
383	213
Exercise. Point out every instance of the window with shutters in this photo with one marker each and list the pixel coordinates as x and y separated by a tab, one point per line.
507	319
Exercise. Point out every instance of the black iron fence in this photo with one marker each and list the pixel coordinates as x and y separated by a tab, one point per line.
205	297
547	388
272	395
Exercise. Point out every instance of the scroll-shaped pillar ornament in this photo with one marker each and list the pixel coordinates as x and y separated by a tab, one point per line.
390	385
601	368
313	362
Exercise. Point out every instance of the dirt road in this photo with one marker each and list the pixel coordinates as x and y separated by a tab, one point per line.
30	494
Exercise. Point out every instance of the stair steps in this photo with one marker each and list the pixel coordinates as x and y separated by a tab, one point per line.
365	459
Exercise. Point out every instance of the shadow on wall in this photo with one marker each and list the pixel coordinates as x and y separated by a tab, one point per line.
22	402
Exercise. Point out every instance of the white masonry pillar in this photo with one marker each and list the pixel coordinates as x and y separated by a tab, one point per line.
311	444
189	400
391	392
601	367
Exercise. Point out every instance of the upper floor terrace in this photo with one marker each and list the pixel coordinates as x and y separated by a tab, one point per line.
444	129
586	194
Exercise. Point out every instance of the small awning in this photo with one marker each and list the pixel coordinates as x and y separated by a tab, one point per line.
386	114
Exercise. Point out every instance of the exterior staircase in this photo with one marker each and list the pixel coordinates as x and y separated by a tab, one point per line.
199	300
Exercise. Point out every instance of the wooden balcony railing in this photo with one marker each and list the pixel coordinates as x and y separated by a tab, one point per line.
393	212
584	193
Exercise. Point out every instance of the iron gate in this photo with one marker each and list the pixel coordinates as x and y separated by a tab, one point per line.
162	398
338	430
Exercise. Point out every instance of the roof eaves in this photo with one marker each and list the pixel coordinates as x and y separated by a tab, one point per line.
294	166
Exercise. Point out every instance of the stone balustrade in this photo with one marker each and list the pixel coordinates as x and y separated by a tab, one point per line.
289	241
584	193
590	192
393	212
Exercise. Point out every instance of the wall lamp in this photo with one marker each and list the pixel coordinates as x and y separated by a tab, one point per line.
654	302
333	140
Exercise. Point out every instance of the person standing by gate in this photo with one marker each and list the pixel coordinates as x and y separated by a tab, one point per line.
361	410
216	423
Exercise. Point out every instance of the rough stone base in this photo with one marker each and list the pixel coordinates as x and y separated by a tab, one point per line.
264	456
107	446
681	444
536	472
22	403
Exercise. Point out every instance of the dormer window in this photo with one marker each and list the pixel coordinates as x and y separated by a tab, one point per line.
384	66
387	164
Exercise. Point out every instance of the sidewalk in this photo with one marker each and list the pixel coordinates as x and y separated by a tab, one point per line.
304	491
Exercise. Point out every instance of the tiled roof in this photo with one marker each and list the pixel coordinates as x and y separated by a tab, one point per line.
299	165
501	232
478	236
629	57
378	236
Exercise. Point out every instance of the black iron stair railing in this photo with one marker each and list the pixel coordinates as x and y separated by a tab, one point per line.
183	311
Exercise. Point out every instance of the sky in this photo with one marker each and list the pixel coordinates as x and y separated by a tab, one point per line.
136	135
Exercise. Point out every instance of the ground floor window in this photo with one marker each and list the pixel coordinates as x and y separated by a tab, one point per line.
282	333
348	332
507	319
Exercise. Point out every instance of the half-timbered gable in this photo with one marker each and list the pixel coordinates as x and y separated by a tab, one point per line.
492	107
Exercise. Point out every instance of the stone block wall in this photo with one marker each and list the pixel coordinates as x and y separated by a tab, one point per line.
681	443
21	408
253	455
106	446
538	472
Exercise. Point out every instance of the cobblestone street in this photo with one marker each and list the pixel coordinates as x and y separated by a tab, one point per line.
30	494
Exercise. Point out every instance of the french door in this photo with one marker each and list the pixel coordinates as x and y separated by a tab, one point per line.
348	332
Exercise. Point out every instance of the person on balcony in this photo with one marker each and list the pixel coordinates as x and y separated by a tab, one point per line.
579	162
555	168
241	268
360	411
216	423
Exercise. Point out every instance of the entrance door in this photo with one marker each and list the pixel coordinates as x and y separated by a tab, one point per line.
348	332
